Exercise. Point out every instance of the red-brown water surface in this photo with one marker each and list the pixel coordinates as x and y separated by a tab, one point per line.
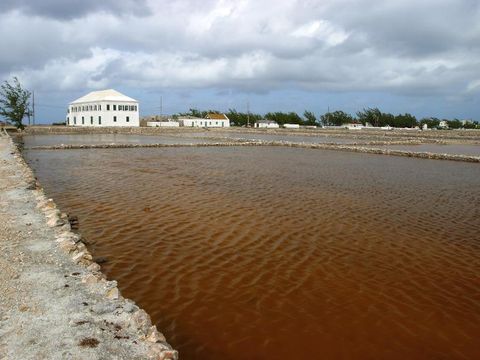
280	253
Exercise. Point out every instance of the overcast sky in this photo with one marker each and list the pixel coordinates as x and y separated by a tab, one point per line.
421	57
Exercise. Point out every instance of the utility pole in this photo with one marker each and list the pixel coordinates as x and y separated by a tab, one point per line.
248	114
161	106
33	108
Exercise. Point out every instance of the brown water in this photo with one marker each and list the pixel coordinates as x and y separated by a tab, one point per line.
280	253
94	139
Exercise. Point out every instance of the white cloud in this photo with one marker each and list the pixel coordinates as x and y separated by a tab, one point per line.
347	45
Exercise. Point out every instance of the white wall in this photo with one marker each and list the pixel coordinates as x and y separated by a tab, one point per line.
267	125
203	122
163	124
107	117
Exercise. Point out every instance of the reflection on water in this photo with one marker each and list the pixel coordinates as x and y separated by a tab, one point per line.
279	253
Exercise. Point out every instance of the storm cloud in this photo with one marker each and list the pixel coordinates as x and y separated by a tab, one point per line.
399	48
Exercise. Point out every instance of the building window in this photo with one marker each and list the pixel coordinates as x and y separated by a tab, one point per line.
99	107
83	120
128	119
108	107
68	120
99	120
74	120
135	108
114	118
114	107
95	108
120	107
91	120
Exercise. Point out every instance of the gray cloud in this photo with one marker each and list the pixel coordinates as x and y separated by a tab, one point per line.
69	9
398	47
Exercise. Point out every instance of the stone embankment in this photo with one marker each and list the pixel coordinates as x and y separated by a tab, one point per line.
55	303
361	148
430	136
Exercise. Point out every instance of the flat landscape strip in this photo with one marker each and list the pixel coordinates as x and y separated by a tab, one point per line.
241	142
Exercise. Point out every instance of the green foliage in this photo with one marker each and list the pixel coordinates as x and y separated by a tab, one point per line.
241	119
198	113
374	117
470	125
14	102
310	118
405	120
284	118
432	122
336	118
454	124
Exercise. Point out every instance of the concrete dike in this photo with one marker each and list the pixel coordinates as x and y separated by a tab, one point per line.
55	303
360	148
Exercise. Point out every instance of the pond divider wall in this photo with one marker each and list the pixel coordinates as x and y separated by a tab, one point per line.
146	337
360	148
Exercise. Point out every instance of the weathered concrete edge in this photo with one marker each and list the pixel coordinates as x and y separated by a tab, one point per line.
360	148
72	246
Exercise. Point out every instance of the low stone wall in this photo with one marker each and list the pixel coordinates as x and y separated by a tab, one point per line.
136	329
378	135
361	148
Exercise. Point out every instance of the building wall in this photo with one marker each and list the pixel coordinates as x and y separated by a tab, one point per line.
267	126
163	124
104	117
204	123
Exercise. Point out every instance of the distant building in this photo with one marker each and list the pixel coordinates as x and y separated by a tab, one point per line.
163	124
211	120
103	108
217	120
266	124
291	126
353	126
443	124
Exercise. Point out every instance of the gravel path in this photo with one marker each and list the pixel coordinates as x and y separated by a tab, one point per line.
54	302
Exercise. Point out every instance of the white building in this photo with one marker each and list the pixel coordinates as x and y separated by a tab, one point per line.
211	120
291	126
266	124
103	108
443	124
353	126
163	124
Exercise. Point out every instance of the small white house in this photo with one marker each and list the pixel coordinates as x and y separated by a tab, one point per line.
266	124
211	120
103	108
443	124
291	126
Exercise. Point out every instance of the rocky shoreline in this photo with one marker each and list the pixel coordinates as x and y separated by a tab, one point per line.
55	301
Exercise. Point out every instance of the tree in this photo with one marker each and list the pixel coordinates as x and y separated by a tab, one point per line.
284	118
454	124
432	122
241	119
310	118
336	118
405	120
14	102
